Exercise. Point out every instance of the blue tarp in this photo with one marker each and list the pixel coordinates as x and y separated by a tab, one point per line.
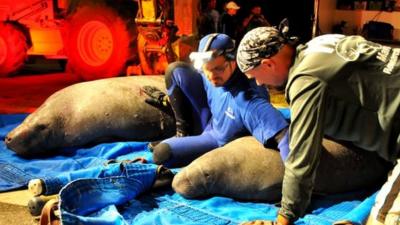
163	206
16	171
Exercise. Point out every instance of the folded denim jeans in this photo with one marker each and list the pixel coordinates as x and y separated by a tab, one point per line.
81	197
54	184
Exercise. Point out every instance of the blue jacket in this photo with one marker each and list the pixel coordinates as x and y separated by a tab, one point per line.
239	108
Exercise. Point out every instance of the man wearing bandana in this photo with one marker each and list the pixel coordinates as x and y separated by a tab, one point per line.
344	87
214	103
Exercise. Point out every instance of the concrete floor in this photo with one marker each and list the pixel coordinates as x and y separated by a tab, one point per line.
13	208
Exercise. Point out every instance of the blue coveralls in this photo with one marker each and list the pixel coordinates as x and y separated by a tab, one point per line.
238	108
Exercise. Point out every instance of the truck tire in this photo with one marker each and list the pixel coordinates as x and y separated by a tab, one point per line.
13	49
99	42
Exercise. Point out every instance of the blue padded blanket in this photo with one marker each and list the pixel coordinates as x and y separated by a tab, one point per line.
15	172
162	206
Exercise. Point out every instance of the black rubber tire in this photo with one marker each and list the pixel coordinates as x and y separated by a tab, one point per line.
13	49
100	42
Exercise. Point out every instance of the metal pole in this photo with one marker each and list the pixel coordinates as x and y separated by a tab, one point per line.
315	29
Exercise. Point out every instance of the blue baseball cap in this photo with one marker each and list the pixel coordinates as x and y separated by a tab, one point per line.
211	46
216	41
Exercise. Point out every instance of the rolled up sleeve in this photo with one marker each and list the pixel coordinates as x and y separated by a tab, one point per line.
263	120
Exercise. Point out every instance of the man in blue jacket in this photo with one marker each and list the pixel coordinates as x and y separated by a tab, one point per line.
214	103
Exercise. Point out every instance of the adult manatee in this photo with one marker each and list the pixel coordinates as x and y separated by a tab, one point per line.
102	110
244	169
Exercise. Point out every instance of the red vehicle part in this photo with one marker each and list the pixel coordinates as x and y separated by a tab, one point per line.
13	47
100	42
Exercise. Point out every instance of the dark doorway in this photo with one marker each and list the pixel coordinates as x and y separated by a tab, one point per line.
299	13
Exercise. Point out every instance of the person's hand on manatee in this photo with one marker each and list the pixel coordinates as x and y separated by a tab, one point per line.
280	221
259	222
156	98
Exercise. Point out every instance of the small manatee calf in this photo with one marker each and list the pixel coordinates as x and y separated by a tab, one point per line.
110	109
244	169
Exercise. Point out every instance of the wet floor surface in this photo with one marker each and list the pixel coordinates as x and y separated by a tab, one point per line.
25	91
13	210
11	214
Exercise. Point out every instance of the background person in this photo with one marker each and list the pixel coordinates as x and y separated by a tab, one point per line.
208	19
229	22
254	19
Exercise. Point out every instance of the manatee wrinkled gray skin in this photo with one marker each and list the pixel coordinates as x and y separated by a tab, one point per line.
110	109
244	169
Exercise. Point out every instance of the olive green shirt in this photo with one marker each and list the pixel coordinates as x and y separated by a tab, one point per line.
346	88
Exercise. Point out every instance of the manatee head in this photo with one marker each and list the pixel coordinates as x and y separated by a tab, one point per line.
194	181
35	135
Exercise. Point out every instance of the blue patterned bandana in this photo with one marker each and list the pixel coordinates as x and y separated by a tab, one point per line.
260	43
